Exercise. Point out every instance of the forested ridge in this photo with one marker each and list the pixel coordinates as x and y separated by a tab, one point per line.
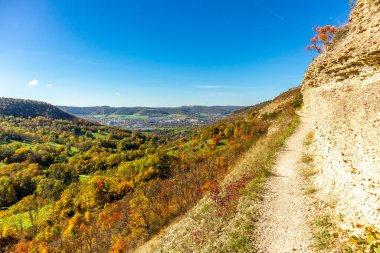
30	108
74	186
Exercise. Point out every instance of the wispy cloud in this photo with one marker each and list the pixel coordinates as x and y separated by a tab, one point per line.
49	85
117	94
225	94
275	14
211	87
33	83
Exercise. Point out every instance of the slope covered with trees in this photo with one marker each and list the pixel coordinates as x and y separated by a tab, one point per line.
76	186
29	108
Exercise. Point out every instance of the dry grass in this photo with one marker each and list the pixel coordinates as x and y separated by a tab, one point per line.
307	158
310	190
309	138
308	171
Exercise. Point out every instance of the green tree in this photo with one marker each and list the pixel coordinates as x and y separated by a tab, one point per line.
50	188
7	192
164	165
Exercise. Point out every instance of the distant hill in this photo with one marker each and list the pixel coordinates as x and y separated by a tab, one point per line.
30	108
150	111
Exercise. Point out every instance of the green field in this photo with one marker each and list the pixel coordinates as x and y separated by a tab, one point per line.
116	116
23	218
133	116
84	178
55	144
100	136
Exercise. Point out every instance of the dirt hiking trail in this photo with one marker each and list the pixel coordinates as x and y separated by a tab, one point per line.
284	210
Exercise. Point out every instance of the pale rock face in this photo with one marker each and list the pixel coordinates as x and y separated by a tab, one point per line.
342	95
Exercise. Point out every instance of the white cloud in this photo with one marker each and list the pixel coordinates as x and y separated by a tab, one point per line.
33	83
117	94
49	85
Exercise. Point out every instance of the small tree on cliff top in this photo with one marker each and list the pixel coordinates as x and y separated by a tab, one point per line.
322	38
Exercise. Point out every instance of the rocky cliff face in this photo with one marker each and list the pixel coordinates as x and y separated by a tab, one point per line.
342	95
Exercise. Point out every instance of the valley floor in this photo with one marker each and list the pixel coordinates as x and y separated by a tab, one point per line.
284	210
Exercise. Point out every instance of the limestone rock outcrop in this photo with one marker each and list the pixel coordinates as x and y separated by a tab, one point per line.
342	95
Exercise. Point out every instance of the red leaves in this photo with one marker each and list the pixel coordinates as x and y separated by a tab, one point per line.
22	246
99	185
198	237
115	217
227	200
323	36
215	140
215	193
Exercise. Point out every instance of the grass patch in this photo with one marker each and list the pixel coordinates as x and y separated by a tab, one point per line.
83	178
239	243
323	239
99	136
309	139
324	231
254	187
223	142
310	190
308	171
74	149
23	219
54	144
23	143
307	158
271	116
323	221
130	116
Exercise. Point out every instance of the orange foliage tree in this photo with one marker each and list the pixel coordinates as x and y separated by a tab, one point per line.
322	38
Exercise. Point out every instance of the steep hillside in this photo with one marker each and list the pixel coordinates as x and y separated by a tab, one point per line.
342	95
29	108
224	219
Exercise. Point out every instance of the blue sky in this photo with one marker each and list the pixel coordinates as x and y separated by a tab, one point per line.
157	53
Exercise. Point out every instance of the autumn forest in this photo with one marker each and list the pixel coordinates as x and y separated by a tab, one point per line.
70	185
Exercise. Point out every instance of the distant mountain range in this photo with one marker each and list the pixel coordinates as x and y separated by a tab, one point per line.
150	111
128	117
